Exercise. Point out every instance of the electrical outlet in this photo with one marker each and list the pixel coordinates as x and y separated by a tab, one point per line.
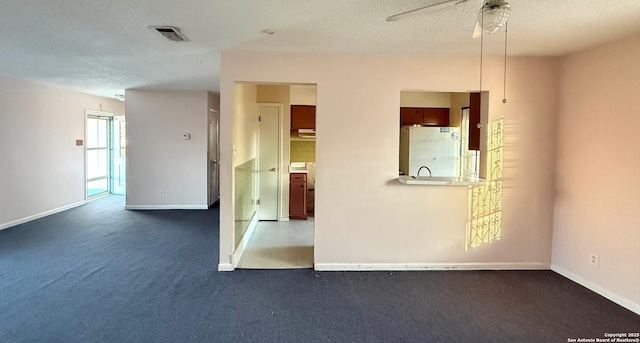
594	259
162	194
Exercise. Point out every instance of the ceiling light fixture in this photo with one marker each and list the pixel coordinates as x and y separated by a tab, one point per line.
494	14
119	97
268	31
504	89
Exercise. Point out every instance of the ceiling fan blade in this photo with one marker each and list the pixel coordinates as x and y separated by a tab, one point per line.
477	32
440	4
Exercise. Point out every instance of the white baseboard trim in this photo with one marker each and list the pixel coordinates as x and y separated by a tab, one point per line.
225	267
166	207
40	215
237	255
429	266
628	304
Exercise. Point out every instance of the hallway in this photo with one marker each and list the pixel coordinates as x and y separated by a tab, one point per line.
280	245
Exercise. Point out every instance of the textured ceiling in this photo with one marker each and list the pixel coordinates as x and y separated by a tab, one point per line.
104	47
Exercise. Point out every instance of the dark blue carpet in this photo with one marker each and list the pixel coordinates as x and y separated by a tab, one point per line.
98	273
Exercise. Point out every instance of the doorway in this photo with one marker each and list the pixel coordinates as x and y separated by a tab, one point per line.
283	234
214	156
98	160
105	154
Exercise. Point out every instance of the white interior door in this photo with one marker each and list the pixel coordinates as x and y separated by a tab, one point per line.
119	156
214	156
269	158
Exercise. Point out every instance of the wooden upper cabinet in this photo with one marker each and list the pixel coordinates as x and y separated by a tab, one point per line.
435	117
474	121
410	115
424	116
303	117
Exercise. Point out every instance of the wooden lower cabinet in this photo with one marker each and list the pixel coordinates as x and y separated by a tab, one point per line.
298	196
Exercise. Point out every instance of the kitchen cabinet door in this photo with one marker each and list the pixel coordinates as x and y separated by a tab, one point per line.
303	117
474	121
411	116
427	116
298	196
435	117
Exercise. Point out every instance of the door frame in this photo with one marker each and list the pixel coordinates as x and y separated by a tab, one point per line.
113	152
280	169
215	161
94	113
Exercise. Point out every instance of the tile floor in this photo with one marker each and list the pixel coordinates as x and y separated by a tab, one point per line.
280	245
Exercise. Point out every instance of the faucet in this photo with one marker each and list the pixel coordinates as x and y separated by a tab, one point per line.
420	169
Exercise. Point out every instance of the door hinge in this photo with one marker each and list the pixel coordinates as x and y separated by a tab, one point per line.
257	201
259	118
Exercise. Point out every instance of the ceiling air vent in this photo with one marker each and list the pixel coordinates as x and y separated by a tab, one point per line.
171	33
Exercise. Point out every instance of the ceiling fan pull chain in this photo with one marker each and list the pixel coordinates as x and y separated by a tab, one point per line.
481	46
506	33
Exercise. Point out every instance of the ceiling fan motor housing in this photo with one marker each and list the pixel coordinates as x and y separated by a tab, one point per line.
493	15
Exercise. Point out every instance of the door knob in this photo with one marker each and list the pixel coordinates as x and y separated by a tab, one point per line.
272	169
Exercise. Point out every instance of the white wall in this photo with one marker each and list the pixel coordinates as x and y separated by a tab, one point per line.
42	170
158	159
436	99
237	146
245	127
363	215
597	202
303	95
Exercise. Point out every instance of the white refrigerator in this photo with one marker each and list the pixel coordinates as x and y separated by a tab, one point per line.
437	148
